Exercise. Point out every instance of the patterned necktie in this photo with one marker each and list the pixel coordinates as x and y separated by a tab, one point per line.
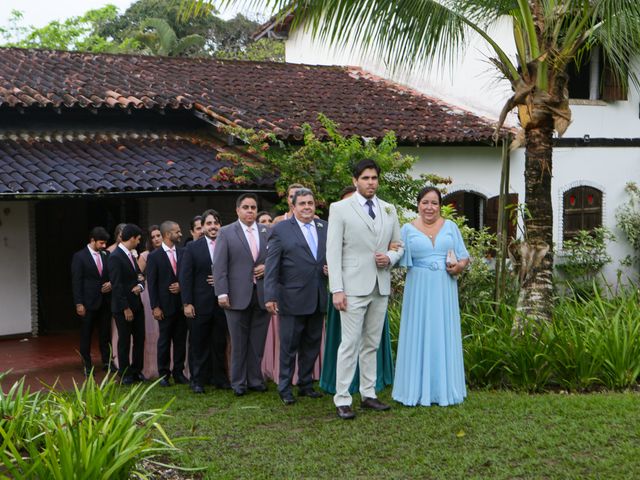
372	214
253	245
311	241
172	259
98	262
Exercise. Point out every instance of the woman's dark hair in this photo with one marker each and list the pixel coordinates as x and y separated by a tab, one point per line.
150	231
262	214
346	191
118	232
426	190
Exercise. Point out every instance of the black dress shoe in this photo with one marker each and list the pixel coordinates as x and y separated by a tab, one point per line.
109	367
374	404
180	380
128	380
197	388
287	398
345	412
309	392
140	377
258	388
165	382
238	392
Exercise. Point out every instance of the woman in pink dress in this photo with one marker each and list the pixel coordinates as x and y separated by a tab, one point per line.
152	331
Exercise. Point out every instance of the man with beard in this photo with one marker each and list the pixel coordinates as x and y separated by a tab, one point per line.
238	271
163	265
208	325
91	287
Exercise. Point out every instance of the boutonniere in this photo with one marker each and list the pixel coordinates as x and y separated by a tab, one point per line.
263	230
319	225
388	210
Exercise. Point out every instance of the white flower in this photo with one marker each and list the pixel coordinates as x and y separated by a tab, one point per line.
388	209
319	225
263	230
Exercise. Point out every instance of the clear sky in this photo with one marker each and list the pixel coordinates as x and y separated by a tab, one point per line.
40	12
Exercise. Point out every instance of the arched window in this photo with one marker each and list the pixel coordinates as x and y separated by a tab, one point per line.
582	210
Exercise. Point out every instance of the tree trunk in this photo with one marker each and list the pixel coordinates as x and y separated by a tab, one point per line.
536	289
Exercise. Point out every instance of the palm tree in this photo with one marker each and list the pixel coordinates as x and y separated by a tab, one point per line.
158	38
549	36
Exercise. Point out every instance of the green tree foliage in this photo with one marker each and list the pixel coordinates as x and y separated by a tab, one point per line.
75	33
158	38
628	218
324	164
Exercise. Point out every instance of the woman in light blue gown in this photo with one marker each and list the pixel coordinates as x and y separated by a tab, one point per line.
429	365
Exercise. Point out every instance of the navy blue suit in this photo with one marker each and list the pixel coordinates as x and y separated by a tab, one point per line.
295	279
86	283
208	330
124	276
173	327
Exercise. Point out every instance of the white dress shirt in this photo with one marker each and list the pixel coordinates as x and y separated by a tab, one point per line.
363	203
312	230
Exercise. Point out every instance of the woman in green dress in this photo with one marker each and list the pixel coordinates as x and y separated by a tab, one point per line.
332	342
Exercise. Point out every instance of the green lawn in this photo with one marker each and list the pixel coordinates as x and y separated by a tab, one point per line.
491	435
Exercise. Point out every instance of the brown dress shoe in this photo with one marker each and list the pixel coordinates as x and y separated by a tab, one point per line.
345	412
374	404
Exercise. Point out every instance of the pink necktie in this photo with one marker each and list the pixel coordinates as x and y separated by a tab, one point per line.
172	258
132	262
212	247
98	262
253	245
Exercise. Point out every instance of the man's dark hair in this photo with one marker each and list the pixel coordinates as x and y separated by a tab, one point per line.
244	196
208	212
301	192
346	191
362	165
99	233
130	230
166	226
197	218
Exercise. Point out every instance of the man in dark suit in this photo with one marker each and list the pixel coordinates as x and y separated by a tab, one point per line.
295	287
126	306
208	324
91	287
238	271
163	266
195	230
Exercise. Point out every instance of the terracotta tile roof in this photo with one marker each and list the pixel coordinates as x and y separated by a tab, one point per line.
273	96
79	163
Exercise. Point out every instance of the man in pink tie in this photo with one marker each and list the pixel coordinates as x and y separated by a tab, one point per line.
163	265
91	288
126	305
238	271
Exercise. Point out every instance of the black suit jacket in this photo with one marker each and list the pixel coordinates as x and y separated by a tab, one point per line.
193	272
124	277
159	276
293	277
86	282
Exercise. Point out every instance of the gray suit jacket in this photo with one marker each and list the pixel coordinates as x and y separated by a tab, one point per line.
233	265
352	242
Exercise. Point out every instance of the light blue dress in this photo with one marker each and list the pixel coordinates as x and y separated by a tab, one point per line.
429	365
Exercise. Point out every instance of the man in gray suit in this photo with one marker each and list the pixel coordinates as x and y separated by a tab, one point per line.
361	229
238	272
295	287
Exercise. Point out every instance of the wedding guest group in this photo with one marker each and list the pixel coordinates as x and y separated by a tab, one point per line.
314	291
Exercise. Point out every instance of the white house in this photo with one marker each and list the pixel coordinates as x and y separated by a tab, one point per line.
592	163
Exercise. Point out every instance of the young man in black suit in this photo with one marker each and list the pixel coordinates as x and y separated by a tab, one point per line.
295	287
208	325
163	266
126	305
91	288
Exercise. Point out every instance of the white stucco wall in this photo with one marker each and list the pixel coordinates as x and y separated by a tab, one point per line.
608	169
15	282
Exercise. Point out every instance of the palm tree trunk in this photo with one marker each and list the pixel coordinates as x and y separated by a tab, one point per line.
536	289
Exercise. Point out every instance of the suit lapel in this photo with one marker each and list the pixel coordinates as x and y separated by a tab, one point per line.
262	233
360	212
300	236
322	238
89	257
243	239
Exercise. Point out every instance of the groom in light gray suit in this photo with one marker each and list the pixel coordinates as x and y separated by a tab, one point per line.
361	228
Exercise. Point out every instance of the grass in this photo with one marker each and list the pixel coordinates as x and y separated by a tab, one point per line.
493	434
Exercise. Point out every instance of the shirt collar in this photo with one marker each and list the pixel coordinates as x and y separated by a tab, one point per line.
302	224
124	249
363	201
91	250
245	226
166	248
